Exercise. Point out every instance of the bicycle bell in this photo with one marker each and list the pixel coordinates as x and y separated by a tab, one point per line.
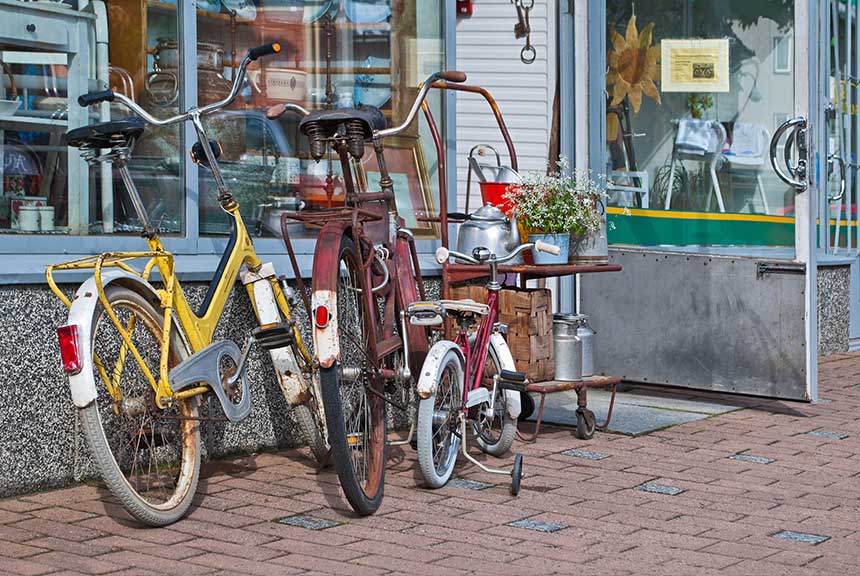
488	227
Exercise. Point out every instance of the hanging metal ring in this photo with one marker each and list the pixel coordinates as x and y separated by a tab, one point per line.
528	54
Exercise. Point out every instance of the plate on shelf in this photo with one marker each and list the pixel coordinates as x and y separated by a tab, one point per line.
209	5
368	11
244	9
373	89
306	11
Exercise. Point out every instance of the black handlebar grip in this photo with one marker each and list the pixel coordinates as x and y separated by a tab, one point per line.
458	216
453	76
264	50
91	98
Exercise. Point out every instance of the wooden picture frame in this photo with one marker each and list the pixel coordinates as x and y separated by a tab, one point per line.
407	166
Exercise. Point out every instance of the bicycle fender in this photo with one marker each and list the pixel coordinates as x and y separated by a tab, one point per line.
427	381
83	384
325	275
506	359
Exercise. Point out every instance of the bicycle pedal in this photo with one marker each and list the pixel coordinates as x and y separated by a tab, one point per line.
274	336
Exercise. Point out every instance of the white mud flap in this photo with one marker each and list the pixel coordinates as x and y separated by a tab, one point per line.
83	384
326	343
503	353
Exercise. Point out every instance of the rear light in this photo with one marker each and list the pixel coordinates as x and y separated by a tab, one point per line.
321	316
70	348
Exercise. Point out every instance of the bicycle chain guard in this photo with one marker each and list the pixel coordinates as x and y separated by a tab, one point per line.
205	367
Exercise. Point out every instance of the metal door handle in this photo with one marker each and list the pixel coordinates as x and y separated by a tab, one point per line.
797	174
841	161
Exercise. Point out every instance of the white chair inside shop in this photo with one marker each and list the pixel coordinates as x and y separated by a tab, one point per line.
698	141
748	153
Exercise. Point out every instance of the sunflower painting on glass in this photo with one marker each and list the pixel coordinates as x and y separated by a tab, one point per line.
633	67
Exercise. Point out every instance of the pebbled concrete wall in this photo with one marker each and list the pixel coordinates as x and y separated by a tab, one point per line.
41	446
834	309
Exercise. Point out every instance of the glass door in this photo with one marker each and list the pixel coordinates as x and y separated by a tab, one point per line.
696	91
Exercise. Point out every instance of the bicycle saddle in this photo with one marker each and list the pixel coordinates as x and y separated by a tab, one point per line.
106	134
368	117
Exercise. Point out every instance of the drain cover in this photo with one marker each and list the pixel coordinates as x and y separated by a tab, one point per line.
660	489
751	458
538	526
828	435
469	484
813	539
585	454
308	522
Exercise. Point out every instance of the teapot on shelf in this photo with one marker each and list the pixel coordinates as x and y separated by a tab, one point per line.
488	227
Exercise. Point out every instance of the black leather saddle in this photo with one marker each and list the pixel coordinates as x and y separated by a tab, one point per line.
369	117
106	134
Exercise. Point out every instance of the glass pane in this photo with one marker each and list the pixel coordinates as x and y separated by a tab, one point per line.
695	91
144	65
44	70
335	54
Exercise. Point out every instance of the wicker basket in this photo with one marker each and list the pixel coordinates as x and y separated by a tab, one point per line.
528	314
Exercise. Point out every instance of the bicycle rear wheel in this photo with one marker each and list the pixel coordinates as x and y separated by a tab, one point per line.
494	433
148	457
355	416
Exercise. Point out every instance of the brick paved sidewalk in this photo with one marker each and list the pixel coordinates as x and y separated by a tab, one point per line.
744	477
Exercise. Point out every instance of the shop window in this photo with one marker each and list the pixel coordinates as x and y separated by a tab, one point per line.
335	54
695	91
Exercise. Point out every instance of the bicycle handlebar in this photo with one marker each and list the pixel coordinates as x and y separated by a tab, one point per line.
109	95
424	87
90	98
442	253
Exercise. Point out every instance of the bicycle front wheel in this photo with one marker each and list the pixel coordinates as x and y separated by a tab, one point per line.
149	457
438	418
353	400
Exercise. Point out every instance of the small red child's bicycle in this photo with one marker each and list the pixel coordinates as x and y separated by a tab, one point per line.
477	357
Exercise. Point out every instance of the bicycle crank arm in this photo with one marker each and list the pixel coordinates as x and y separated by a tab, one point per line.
205	366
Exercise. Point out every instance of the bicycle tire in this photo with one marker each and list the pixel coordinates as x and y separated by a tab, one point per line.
499	442
97	418
361	473
439	442
310	431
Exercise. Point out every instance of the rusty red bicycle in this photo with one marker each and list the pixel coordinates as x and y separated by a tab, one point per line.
365	274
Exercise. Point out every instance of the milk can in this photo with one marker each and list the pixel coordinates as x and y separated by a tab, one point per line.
567	347
586	334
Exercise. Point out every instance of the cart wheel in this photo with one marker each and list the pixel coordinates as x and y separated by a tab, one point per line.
516	474
527	406
584	423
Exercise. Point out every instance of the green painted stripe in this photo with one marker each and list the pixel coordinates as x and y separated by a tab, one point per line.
682	230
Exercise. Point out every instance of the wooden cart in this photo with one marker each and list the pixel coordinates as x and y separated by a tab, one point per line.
453	273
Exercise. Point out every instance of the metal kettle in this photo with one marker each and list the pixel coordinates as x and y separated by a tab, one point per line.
488	227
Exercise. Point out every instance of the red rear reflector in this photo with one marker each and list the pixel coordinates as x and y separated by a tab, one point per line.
321	316
70	348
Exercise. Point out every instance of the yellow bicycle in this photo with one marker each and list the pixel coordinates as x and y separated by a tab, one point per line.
139	358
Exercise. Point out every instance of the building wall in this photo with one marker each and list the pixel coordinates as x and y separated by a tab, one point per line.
489	54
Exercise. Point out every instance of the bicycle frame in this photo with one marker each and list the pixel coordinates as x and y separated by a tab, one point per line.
476	354
197	329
